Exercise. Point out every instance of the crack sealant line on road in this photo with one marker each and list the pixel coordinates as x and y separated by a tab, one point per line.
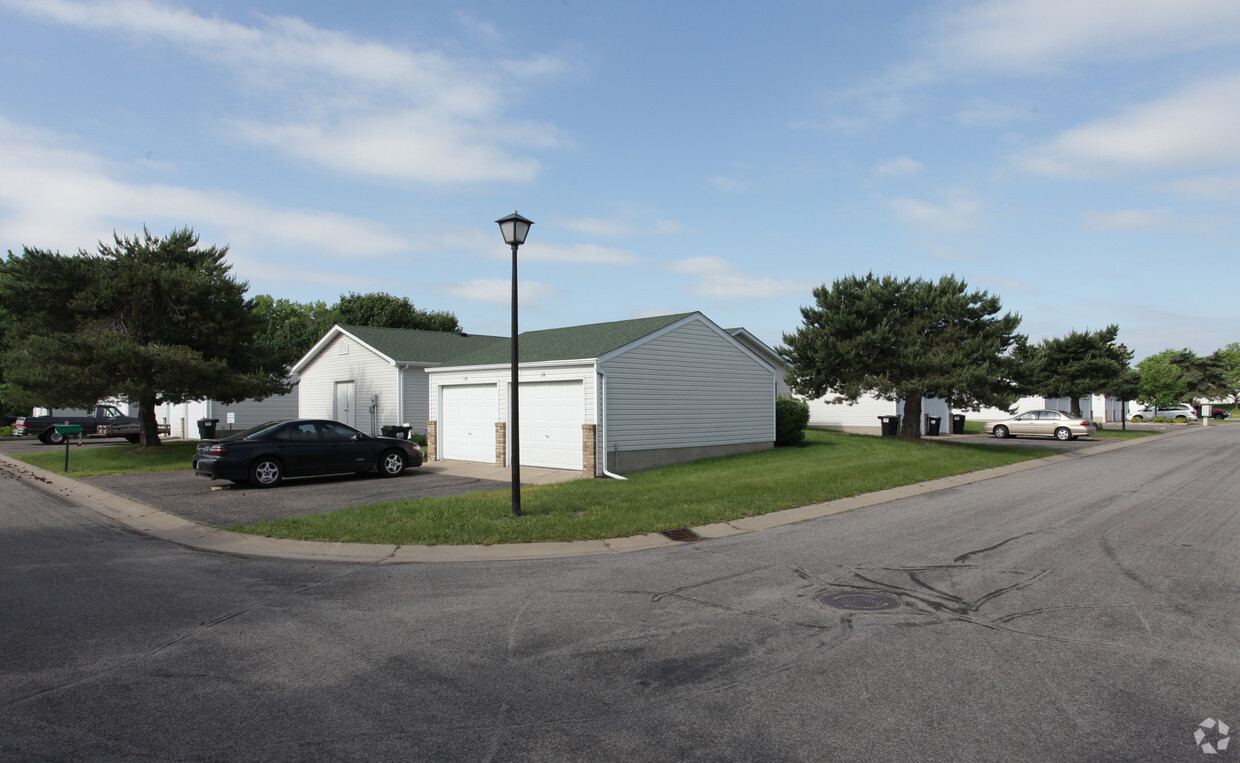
164	526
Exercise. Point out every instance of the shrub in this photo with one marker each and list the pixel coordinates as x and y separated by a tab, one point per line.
420	439
6	431
791	418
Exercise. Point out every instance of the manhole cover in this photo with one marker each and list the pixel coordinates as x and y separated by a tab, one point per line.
682	534
860	601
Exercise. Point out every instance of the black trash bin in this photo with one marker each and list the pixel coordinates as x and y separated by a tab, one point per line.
206	428
957	423
932	425
891	425
392	430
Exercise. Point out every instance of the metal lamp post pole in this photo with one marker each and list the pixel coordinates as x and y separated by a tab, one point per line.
515	228
514	410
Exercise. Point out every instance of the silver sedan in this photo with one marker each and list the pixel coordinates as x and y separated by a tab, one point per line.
1057	424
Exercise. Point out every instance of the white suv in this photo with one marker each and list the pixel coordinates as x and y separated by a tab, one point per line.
1176	412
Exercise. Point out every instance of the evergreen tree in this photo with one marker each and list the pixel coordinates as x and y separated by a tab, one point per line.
904	340
147	319
1080	364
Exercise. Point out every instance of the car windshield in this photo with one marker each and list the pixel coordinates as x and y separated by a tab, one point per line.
263	427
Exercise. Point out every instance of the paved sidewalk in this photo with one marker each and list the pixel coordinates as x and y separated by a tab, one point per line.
164	526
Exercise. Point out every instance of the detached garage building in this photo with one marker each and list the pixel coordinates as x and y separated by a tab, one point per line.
605	397
369	377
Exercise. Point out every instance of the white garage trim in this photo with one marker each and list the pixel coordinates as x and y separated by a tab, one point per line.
551	417
468	413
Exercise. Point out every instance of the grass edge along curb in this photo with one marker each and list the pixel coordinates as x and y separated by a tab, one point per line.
829	466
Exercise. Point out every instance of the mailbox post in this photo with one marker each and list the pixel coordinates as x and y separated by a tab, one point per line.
64	430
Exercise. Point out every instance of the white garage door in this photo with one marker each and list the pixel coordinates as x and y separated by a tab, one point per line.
551	417
467	422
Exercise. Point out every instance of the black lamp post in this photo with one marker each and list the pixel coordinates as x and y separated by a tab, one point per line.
1123	406
515	228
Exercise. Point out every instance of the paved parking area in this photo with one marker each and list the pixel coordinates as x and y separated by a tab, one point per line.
222	504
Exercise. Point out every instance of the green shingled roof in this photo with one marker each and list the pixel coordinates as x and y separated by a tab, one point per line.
449	349
571	343
414	346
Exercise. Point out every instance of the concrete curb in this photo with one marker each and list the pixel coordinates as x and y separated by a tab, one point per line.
158	524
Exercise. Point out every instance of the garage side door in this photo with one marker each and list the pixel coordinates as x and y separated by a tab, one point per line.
551	417
467	422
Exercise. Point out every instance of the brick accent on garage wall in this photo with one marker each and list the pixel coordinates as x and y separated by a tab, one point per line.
501	443
432	441
589	449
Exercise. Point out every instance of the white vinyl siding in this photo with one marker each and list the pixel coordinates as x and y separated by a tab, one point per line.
933	406
859	416
417	408
371	374
248	413
688	387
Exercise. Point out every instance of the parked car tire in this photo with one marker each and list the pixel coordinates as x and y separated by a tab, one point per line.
135	439
52	437
1138	417
392	463
1181	419
266	472
1063	433
1001	432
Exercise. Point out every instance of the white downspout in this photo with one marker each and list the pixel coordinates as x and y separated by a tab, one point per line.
400	393
603	405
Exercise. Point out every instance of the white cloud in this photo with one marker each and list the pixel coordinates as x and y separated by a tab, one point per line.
716	277
669	227
415	145
994	283
1127	219
1195	129
582	254
499	291
622	226
983	112
1145	220
60	198
957	213
724	183
1033	36
1209	187
367	107
597	226
900	166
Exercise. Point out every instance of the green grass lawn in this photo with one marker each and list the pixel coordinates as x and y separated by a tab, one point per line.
113	459
829	465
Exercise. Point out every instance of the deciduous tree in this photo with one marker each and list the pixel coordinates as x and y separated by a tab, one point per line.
1162	381
289	329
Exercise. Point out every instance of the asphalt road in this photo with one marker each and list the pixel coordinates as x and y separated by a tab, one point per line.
1083	610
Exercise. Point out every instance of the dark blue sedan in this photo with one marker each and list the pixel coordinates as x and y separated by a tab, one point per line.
268	453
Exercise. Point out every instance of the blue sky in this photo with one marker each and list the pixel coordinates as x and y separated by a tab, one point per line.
1078	158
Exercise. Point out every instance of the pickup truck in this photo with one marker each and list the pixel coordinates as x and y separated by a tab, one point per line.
108	421
1216	413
